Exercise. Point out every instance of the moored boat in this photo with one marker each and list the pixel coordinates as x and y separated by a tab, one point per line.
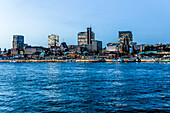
164	59
148	59
131	59
87	60
111	60
114	60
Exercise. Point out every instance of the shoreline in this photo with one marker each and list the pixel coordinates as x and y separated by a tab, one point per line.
70	61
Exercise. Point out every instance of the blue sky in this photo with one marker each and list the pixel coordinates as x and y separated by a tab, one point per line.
149	20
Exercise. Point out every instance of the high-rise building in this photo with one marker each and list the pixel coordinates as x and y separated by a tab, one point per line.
86	37
125	36
53	40
82	38
18	42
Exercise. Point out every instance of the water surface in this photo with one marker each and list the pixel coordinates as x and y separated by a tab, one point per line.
84	87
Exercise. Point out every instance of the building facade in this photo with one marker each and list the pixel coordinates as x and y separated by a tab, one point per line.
63	46
14	52
86	37
96	45
82	38
112	47
125	37
18	42
53	40
30	50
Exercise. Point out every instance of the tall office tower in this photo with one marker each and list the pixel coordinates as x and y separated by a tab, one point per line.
124	36
18	42
82	38
86	37
53	40
89	35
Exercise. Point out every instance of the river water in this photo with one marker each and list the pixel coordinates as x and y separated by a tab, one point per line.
84	87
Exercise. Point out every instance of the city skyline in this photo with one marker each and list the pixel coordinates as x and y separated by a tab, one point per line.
36	19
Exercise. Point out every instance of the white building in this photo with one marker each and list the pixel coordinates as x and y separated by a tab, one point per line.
112	47
53	40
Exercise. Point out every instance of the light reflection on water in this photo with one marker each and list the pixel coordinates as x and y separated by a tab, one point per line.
84	87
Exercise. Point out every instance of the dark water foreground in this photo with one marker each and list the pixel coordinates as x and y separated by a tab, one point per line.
84	87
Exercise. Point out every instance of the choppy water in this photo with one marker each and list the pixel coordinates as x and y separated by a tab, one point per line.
84	87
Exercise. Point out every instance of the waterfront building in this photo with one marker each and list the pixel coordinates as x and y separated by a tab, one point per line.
149	48
5	50
29	50
125	37
136	48
112	50
133	47
18	42
112	47
53	40
80	49
142	48
54	50
160	47
63	46
76	48
32	49
14	52
167	47
96	45
25	45
86	37
72	47
88	47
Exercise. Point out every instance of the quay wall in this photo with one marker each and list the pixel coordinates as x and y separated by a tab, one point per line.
79	60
